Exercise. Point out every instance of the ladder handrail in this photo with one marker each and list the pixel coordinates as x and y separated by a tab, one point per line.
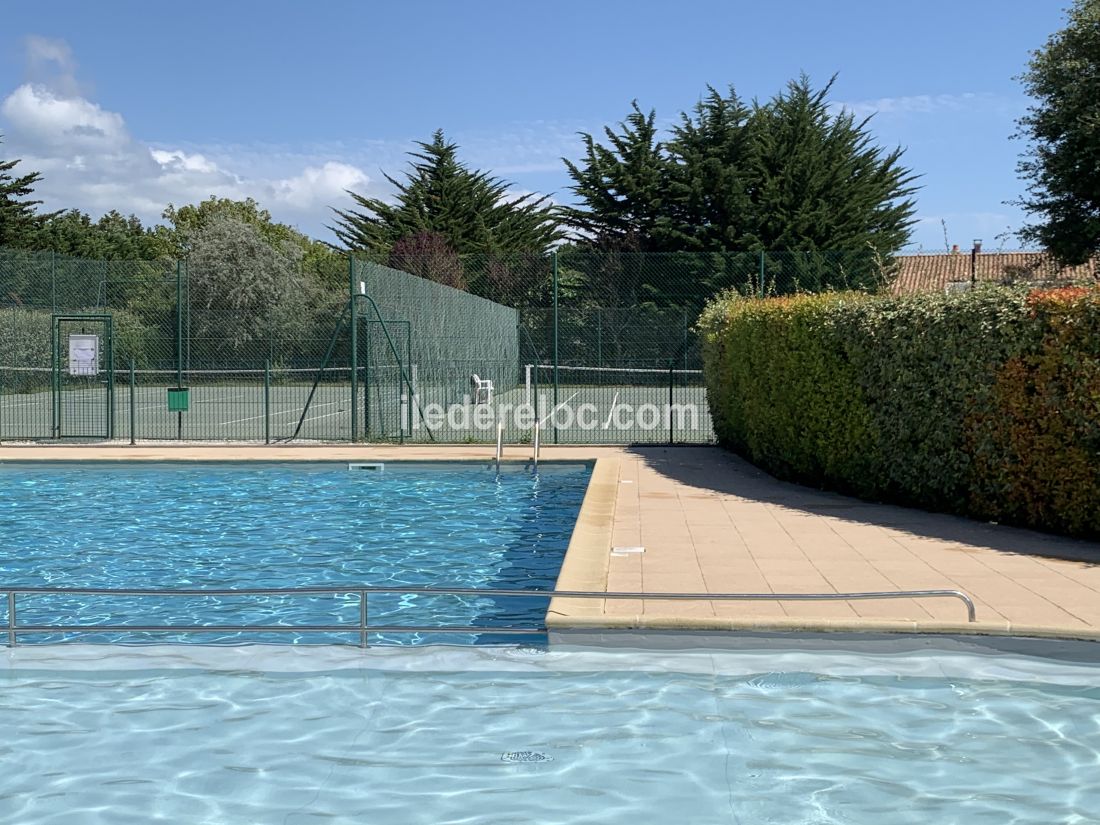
363	592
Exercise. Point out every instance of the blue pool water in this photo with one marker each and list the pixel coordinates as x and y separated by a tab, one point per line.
429	735
264	525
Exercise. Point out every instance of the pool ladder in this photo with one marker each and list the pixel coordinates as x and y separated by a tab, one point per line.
536	437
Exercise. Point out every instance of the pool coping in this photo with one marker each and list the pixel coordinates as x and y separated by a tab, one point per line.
586	564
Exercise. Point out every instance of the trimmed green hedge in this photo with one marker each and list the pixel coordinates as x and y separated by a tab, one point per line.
985	403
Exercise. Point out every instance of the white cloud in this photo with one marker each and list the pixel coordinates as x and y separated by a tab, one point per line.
318	186
89	160
37	114
50	63
930	104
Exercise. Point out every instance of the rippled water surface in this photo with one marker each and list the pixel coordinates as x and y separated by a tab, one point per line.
256	525
473	735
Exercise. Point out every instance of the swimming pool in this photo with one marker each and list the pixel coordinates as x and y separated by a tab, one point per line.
290	524
494	735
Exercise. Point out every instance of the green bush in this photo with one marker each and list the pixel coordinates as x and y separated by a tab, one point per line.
25	346
984	403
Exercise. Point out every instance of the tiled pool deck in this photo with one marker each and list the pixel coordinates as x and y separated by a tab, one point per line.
712	523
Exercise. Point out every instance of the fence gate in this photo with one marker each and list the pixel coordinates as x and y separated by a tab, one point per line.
83	381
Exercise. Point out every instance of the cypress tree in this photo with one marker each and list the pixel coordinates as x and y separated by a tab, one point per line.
469	209
788	174
19	221
624	187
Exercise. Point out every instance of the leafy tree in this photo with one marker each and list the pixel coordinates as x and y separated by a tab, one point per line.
788	174
19	221
428	255
1062	163
318	261
244	290
470	209
114	237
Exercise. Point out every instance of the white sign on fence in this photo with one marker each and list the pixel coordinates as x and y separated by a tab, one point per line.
83	354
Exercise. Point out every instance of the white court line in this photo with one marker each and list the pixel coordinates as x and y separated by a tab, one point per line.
611	414
296	411
326	415
558	407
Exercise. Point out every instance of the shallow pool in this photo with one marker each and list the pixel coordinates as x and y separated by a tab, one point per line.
264	525
431	735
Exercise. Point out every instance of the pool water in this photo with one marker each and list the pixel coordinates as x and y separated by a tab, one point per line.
265	525
429	735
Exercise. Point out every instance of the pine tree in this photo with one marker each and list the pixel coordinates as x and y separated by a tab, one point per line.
19	221
624	187
789	174
470	209
710	154
819	183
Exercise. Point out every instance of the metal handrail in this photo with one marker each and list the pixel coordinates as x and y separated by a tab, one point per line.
500	443
363	592
535	452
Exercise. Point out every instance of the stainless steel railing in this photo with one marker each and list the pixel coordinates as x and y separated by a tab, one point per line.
363	628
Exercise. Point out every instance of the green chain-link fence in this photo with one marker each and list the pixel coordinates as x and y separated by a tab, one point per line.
592	347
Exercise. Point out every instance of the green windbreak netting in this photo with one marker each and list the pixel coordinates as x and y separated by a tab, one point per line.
434	338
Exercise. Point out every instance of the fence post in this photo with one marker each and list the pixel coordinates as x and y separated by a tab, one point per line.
599	337
133	406
761	273
267	401
553	412
179	343
354	350
671	378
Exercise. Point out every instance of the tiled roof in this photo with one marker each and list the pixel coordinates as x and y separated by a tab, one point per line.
925	273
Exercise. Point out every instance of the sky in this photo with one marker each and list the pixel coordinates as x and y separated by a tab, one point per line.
132	105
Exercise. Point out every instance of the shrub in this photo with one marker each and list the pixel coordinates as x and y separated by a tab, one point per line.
984	403
25	345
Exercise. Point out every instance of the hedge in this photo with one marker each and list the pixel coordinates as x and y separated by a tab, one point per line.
25	341
984	403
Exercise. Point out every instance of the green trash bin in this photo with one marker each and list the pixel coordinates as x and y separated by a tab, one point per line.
179	399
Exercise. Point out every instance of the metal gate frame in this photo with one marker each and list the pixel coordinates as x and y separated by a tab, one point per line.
108	357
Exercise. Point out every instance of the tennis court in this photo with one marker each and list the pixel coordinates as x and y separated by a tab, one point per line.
222	405
589	405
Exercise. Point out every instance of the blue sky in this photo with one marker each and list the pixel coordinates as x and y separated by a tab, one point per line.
130	105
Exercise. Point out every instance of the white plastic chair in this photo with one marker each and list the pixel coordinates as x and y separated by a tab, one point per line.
483	389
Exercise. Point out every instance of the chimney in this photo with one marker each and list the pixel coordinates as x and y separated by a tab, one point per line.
977	245
974	260
954	249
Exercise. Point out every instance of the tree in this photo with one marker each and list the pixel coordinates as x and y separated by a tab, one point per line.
244	290
1062	162
710	180
817	182
114	237
318	261
19	221
428	255
789	174
470	209
624	187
